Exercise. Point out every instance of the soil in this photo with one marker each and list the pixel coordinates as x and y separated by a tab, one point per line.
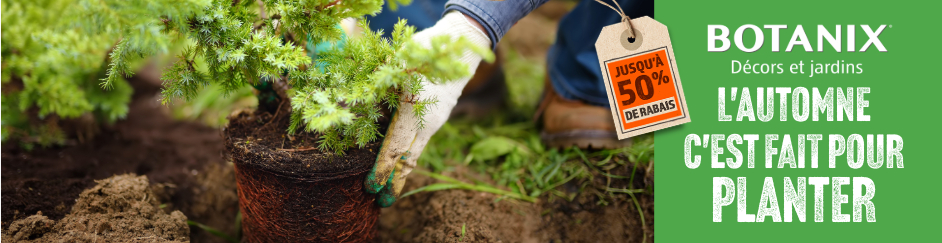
259	138
184	158
617	220
54	197
209	197
119	209
439	216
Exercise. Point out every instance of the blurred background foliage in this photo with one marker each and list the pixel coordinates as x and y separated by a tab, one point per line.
51	68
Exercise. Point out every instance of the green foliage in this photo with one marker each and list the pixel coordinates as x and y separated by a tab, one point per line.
341	100
52	58
211	106
393	5
58	55
490	148
242	43
528	76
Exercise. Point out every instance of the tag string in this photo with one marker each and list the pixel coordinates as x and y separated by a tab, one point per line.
624	18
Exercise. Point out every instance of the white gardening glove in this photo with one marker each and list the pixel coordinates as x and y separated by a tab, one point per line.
404	140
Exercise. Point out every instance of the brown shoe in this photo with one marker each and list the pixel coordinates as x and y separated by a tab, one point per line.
573	122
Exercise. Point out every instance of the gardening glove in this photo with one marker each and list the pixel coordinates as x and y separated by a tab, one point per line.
405	140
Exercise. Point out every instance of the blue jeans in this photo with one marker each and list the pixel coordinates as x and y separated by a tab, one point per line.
421	14
573	64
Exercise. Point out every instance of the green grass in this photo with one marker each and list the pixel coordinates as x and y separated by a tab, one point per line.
452	183
515	159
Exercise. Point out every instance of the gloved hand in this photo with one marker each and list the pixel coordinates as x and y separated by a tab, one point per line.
404	140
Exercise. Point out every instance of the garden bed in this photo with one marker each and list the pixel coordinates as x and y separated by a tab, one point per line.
184	157
121	208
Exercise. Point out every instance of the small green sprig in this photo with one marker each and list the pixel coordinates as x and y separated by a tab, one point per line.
341	102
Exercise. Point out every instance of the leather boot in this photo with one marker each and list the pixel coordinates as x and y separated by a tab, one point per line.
568	122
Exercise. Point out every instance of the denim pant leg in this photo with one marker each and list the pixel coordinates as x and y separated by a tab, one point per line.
421	14
573	65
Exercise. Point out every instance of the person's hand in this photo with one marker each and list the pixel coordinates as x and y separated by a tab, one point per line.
404	140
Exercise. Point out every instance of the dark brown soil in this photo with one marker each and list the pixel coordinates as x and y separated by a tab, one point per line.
585	221
176	154
440	215
121	208
54	197
260	139
208	198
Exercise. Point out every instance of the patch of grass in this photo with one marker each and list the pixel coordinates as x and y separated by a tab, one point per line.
513	156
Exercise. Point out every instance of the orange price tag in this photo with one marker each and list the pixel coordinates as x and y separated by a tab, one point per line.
641	79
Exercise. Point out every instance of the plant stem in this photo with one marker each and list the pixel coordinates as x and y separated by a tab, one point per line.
644	235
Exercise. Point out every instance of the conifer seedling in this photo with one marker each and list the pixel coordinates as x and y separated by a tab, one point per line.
338	92
268	44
